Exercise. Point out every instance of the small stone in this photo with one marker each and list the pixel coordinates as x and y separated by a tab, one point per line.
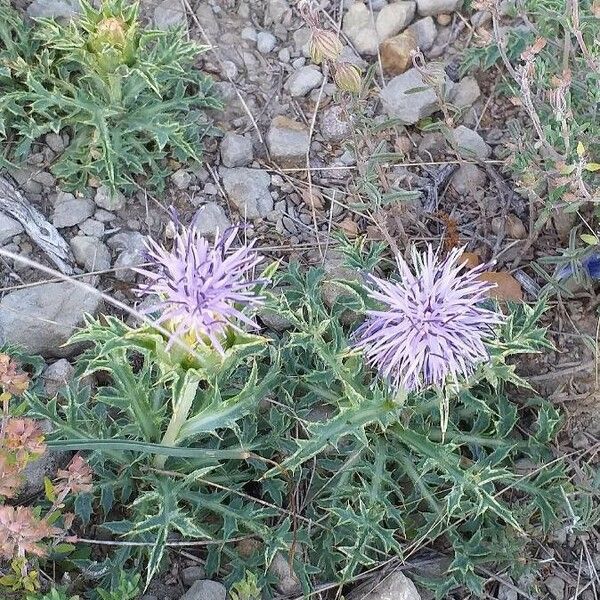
468	178
181	179
336	124
426	32
92	227
469	144
190	575
132	253
59	306
90	253
57	376
53	9
556	587
444	19
506	593
205	589
428	8
209	219
401	102
265	42
8	228
302	38
288	583
465	92
284	55
55	142
230	69
396	586
288	141
395	53
276	11
71	211
44	178
169	14
480	18
206	16
109	200
360	29
248	190
511	225
302	81
249	34
104	216
273	320
236	150
393	18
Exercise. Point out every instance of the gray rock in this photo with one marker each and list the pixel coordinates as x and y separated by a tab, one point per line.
206	16
70	211
42	318
90	253
506	593
393	18
273	320
132	253
8	228
401	102
302	81
55	142
169	14
465	92
53	9
336	124
468	178
104	216
57	376
249	34
236	150
190	575
211	218
181	179
206	590
265	42
92	227
470	144
276	10
108	200
288	141
248	190
556	587
44	178
425	31
395	586
359	26
428	8
288	583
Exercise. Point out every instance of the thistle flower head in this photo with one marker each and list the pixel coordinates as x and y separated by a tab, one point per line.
22	532
201	287
76	478
12	380
24	438
431	326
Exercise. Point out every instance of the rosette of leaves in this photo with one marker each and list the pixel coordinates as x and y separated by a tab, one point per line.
130	99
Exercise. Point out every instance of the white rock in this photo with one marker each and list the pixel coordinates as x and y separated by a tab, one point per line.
69	211
425	31
465	92
209	219
470	144
359	26
42	318
304	80
90	253
395	586
8	228
169	14
181	179
265	42
401	102
394	18
108	200
236	150
248	190
428	8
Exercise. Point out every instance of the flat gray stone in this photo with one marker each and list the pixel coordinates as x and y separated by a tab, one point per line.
470	144
428	8
57	376
169	14
53	9
393	18
8	228
236	150
205	589
211	218
248	190
303	81
70	211
288	141
108	200
90	253
131	248
425	31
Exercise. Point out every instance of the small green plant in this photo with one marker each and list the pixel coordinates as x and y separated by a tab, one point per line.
130	99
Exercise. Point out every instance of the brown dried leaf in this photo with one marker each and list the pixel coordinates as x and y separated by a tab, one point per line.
313	198
507	287
349	227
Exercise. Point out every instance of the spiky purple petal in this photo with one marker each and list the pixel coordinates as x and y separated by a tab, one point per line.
432	326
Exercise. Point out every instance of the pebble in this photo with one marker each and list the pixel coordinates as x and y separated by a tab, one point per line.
396	586
104	216
206	16
8	228
360	29
181	179
444	19
428	8
468	178
396	53
480	18
57	376
211	218
336	124
302	81
169	14
288	583
284	55
92	227
190	575
276	11
69	211
288	141
393	18
59	306
133	253
109	200
409	107
55	142
248	190
512	226
236	150
465	92
425	31
90	253
44	178
249	34
265	42
470	145
556	587
205	589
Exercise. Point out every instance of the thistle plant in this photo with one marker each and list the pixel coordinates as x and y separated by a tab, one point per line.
130	99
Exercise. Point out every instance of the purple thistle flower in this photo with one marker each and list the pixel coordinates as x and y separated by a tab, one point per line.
200	287
432	326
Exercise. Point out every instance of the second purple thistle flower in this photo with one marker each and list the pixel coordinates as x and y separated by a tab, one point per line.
431	328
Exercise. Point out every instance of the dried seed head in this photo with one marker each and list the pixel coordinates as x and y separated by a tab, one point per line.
12	380
347	77
324	45
111	31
